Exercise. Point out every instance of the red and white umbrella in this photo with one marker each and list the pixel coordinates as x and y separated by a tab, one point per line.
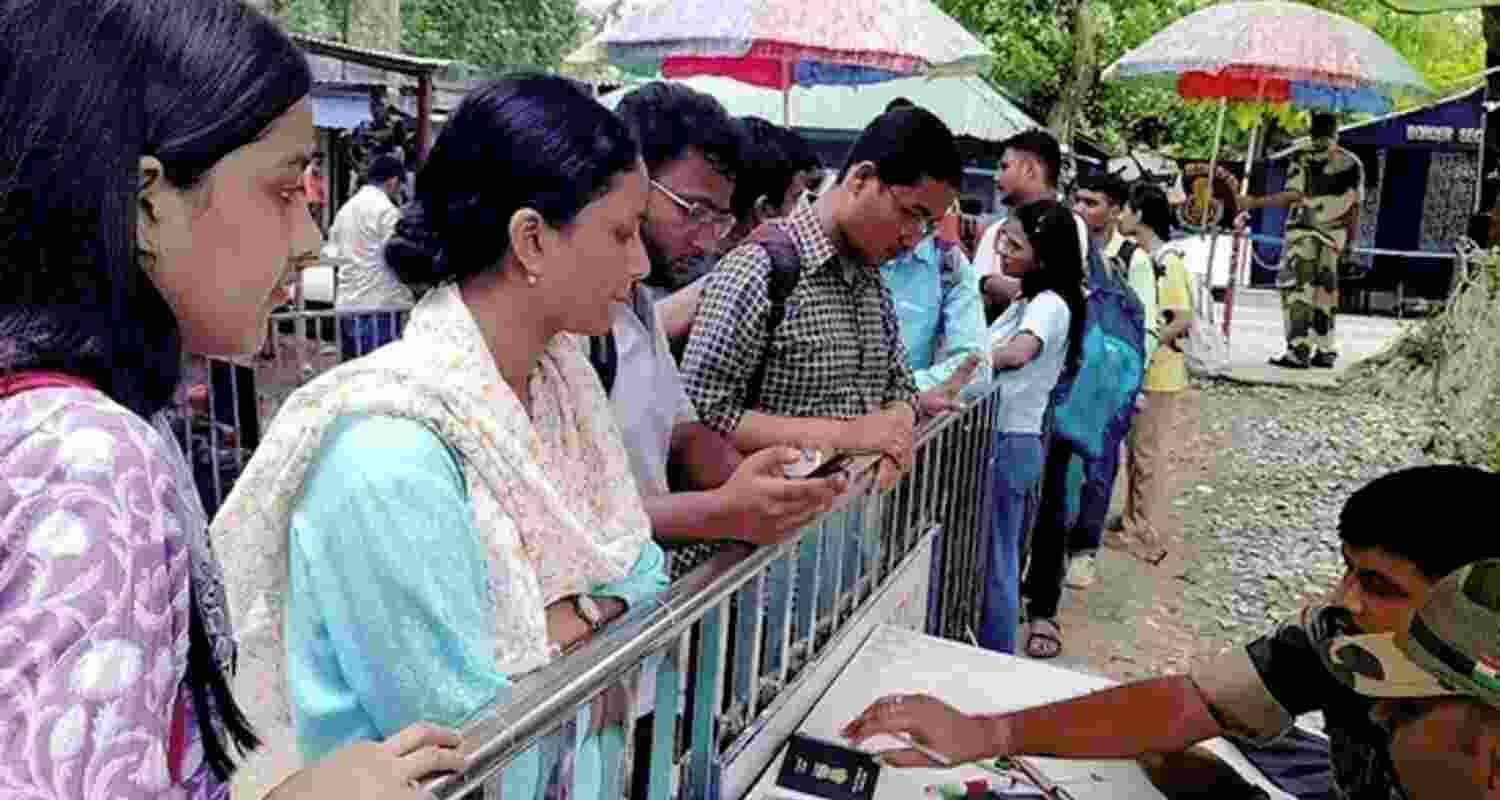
777	44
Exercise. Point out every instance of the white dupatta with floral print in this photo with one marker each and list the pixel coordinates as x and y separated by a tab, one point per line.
551	493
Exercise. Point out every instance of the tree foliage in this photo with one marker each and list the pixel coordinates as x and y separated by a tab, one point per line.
1034	59
489	34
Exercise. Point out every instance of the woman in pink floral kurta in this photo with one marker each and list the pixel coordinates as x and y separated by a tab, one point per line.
151	203
95	510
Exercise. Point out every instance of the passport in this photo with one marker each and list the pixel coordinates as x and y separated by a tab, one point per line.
826	770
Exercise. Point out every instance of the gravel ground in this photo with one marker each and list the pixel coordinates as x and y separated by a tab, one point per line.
1258	476
1266	529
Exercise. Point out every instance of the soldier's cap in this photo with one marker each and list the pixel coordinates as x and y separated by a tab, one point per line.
1452	646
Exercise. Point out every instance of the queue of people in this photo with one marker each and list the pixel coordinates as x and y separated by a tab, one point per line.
627	325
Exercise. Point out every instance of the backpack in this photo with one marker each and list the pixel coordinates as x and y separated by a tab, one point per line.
1092	406
786	272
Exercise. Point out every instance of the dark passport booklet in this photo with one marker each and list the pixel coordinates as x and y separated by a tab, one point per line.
822	769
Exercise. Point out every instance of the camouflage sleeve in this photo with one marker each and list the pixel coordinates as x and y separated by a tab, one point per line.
1296	177
1258	690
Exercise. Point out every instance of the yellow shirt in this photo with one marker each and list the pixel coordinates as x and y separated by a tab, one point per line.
1168	371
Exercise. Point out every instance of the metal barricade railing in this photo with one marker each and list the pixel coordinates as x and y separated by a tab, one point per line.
744	640
225	402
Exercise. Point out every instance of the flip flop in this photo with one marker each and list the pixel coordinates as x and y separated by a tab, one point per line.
1033	636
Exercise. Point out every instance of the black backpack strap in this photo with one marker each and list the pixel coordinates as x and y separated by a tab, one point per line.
1126	255
786	272
605	357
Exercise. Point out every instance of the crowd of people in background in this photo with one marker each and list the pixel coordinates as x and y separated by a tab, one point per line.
627	327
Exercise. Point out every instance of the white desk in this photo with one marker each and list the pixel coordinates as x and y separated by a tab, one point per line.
895	660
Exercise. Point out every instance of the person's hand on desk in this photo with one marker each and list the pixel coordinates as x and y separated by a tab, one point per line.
930	723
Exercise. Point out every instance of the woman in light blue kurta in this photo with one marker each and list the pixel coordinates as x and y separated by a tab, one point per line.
425	523
385	629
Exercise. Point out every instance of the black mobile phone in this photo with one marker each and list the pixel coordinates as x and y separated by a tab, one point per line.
831	467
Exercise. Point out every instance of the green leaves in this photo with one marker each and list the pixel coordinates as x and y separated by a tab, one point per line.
1034	56
492	35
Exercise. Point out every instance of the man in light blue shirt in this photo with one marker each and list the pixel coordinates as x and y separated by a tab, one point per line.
936	294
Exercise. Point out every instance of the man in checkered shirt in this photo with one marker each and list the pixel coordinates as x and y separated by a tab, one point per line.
835	376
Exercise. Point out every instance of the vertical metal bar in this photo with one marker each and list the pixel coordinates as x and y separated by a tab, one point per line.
805	598
621	775
185	411
779	577
424	116
663	755
582	723
750	611
831	555
239	427
703	752
976	526
213	439
864	545
877	524
942	546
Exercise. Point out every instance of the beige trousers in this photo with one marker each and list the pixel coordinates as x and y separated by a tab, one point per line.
1147	464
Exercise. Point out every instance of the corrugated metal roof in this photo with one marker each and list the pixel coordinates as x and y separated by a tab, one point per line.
395	62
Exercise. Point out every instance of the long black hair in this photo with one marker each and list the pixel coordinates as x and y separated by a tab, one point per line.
88	88
1053	233
525	141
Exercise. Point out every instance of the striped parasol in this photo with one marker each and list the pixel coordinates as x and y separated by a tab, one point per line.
1267	51
1274	51
777	44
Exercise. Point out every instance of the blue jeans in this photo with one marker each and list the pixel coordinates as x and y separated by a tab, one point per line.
1093	501
1015	476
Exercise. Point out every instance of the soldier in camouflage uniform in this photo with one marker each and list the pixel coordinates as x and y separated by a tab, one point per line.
1324	190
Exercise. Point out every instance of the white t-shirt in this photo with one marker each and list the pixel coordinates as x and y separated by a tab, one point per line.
356	246
1024	392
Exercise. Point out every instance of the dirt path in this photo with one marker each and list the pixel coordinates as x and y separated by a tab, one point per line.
1131	623
1256	482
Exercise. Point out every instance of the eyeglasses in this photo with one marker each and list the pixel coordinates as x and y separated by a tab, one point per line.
916	216
700	215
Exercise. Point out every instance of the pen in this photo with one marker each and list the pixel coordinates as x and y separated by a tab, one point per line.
925	750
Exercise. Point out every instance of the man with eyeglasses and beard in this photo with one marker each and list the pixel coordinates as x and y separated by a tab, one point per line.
697	489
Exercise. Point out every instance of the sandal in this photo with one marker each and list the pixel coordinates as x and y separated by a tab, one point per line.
1040	643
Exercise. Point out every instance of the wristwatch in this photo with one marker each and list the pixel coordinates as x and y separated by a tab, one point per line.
589	610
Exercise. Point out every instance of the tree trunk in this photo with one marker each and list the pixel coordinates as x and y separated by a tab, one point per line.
1064	116
375	24
1489	160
